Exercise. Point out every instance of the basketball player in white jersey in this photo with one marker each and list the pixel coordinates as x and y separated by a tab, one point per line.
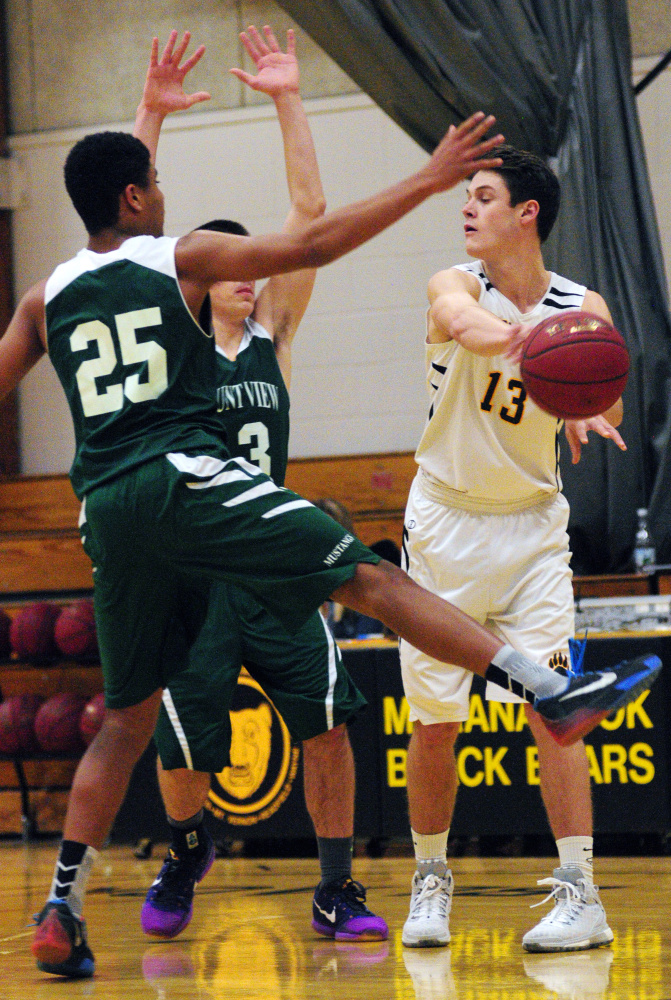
485	528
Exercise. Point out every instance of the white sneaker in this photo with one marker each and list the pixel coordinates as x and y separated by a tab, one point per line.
427	925
583	976
431	974
577	920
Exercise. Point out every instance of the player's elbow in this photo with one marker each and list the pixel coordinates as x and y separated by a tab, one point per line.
313	208
449	317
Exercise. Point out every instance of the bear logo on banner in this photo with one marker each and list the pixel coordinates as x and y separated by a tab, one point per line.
263	762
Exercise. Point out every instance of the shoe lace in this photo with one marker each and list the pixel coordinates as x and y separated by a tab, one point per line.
569	900
354	896
176	879
431	897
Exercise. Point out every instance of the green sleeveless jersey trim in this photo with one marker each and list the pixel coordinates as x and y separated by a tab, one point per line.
137	370
253	403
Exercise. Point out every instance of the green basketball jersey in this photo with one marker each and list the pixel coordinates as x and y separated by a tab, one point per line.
137	370
253	403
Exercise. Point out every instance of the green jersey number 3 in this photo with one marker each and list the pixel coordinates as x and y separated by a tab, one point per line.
257	433
95	403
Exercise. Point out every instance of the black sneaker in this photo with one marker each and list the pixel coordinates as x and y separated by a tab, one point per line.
59	944
339	911
590	698
168	907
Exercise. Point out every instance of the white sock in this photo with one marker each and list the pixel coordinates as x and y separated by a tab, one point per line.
431	852
69	881
578	851
541	681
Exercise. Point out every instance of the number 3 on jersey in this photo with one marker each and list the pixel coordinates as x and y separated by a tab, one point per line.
260	454
95	403
517	398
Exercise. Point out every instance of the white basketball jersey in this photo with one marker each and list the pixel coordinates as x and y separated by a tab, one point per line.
485	443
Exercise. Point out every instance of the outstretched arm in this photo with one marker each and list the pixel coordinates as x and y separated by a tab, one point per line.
455	314
164	89
284	299
203	258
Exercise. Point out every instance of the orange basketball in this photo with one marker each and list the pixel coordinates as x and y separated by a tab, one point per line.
574	365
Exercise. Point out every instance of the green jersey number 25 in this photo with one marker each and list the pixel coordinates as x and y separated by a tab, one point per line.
95	403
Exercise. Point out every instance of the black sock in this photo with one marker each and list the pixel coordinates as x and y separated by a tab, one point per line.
335	858
188	836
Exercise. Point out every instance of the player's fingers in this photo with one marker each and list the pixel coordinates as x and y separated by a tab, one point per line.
192	60
249	45
245	77
196	98
291	42
259	42
471	149
181	48
153	56
615	436
489	164
270	38
169	46
476	125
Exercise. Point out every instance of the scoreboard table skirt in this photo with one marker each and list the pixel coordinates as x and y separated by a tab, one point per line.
261	796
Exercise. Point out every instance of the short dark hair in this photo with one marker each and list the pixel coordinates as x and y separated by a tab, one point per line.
98	168
527	176
217	226
225	226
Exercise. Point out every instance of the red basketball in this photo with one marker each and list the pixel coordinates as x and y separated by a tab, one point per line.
17	720
574	365
5	644
57	723
32	631
75	631
92	717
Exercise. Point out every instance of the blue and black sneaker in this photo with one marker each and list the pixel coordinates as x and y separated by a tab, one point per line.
339	911
59	944
589	698
168	907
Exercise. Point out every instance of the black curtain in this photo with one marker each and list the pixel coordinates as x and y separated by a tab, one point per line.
557	75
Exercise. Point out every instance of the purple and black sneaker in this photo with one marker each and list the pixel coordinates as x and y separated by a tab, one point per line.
168	907
339	911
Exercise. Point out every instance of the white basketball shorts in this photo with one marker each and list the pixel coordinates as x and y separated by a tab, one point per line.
508	571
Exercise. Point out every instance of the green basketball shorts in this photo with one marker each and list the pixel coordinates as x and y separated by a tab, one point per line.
160	534
302	674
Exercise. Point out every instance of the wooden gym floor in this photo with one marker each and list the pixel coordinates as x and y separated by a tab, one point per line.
250	938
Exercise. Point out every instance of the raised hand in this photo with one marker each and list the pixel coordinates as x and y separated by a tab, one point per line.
463	151
164	85
277	70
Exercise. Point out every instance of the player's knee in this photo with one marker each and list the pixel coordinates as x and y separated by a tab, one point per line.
437	736
371	586
127	731
333	741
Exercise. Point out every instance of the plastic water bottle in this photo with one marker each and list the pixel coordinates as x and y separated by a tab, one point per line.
644	550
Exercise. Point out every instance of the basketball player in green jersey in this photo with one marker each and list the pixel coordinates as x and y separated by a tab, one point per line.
166	510
302	674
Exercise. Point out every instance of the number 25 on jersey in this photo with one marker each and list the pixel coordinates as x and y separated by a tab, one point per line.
95	403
